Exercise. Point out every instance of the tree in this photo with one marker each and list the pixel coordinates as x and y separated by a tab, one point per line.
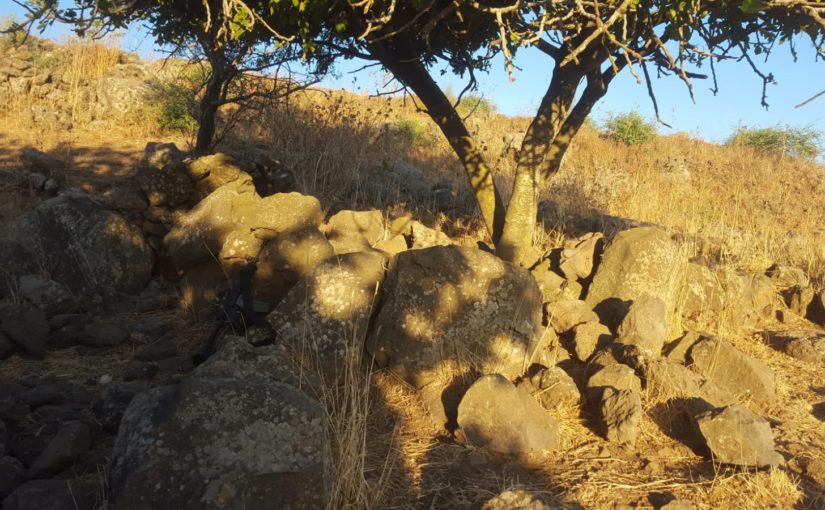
232	62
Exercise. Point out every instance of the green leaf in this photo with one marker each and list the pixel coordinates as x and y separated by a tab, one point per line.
752	6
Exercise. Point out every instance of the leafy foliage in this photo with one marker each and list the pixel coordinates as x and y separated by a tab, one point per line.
630	128
800	142
412	131
177	108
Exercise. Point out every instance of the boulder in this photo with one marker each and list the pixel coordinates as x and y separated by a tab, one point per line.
620	413
352	231
588	337
733	370
638	261
12	474
578	256
240	247
199	234
285	259
54	494
805	345
785	277
113	401
26	326
47	295
553	387
281	213
701	292
72	440
616	376
645	325
748	297
120	95
566	314
500	417
165	187
221	443
671	380
324	318
86	245
735	435
459	307
209	173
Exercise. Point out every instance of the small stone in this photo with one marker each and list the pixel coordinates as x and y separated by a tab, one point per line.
566	314
105	379
588	337
618	376
553	387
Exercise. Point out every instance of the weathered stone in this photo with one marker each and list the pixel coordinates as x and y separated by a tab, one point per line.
167	187
737	436
392	246
285	259
701	292
638	261
353	231
550	283
47	295
497	416
459	307
516	500
733	370
199	234
27	327
578	255
238	359
617	376
678	349
566	314
589	337
12	474
645	325
104	334
805	345
553	387
620	412
221	443
54	494
40	162
748	297
282	213
86	245
240	247
71	441
785	277
213	171
325	316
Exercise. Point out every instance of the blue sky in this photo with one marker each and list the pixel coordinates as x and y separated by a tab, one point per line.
711	117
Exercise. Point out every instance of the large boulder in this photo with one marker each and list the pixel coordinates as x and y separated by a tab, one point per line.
221	443
86	245
500	417
451	306
284	260
638	261
282	213
209	173
325	316
199	234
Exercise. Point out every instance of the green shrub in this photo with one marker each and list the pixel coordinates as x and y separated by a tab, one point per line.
799	142
412	131
472	103
178	108
630	128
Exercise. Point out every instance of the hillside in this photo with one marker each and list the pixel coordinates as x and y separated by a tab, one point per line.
81	127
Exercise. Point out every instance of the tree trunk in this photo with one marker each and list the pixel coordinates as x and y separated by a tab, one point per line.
520	221
412	73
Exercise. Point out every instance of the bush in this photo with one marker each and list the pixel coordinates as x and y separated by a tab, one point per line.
472	103
799	142
412	131
630	128
178	108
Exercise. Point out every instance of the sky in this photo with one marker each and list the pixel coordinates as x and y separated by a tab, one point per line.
711	117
